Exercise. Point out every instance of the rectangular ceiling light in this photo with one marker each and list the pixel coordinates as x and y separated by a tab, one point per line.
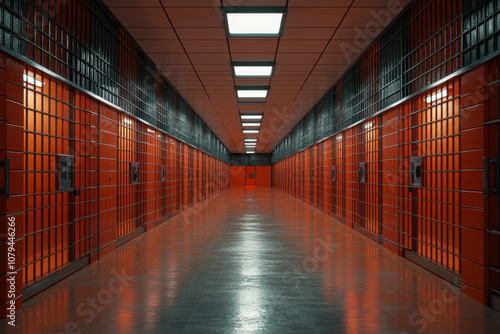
255	21
253	70
250	124
250	131
251	93
251	117
250	152
251	139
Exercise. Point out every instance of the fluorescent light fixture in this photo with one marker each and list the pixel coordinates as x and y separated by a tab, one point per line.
252	93
250	131
253	70
32	81
250	152
437	96
255	21
250	139
149	130
250	124
250	144
251	117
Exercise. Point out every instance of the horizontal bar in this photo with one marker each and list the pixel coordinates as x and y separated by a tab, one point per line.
493	122
57	276
441	272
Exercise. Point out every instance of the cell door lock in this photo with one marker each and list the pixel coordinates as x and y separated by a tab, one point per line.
362	172
163	173
66	172
487	188
6	178
416	171
134	172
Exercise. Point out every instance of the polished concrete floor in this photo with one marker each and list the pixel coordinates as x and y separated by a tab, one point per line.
253	261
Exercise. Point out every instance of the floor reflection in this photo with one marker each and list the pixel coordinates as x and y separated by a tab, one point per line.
253	261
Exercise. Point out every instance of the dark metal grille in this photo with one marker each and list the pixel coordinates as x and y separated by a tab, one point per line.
60	227
481	29
494	200
339	182
190	176
430	214
421	47
81	41
130	195
369	201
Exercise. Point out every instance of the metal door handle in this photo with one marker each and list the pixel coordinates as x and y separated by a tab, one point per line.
486	176
6	178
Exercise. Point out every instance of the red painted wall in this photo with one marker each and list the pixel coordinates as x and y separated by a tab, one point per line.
39	123
239	176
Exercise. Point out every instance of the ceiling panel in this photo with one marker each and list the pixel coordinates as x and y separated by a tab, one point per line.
252	81
195	55
170	58
186	3
381	3
236	3
254	56
319	3
333	58
163	46
141	17
253	45
367	17
205	46
201	34
152	33
314	46
205	17
308	33
326	17
132	3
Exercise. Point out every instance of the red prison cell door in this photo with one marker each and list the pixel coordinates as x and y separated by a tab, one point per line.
60	148
131	170
250	176
430	182
337	177
369	203
491	183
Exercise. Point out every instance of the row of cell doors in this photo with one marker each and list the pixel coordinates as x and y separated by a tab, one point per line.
373	176
94	176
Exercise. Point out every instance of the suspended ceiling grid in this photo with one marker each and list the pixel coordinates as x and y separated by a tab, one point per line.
187	40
